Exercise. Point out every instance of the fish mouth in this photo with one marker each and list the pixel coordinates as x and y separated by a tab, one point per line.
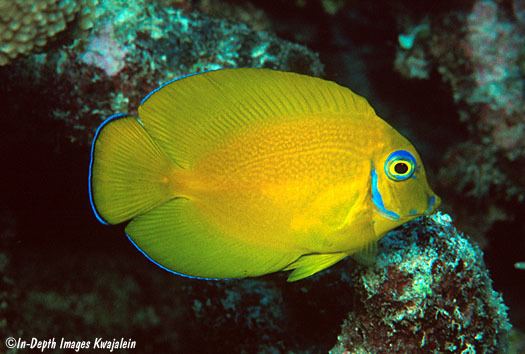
433	202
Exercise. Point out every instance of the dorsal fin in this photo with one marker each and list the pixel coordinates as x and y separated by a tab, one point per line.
190	116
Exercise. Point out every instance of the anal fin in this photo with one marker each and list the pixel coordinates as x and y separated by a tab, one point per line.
180	238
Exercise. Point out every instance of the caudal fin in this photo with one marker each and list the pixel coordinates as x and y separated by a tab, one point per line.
128	174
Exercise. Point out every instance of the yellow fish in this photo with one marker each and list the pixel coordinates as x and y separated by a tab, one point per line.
244	172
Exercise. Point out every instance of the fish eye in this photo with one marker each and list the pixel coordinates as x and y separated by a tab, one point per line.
400	165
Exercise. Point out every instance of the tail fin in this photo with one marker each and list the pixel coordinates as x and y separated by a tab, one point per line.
128	173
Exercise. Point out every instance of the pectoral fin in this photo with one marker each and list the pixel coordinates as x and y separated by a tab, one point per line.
310	264
367	255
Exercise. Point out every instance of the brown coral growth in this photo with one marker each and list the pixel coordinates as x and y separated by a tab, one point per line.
26	26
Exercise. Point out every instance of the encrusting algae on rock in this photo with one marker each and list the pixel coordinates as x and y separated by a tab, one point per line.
244	172
428	292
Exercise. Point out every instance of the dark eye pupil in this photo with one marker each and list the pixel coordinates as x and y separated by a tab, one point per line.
401	168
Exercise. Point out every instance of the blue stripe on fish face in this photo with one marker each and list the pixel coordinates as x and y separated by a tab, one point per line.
378	200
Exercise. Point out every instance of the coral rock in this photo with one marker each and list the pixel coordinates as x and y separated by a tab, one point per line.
429	292
478	50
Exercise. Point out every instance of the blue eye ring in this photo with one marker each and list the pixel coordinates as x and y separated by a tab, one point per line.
400	165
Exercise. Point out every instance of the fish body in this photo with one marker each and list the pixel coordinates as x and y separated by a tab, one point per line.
244	172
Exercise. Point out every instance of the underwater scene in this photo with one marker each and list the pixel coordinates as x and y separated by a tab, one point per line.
251	176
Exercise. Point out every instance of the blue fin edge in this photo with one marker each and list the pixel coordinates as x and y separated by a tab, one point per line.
172	81
165	268
91	159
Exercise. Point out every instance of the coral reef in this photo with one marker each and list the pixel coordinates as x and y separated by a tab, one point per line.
243	12
410	60
482	62
106	298
27	26
124	294
428	292
135	46
253	309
